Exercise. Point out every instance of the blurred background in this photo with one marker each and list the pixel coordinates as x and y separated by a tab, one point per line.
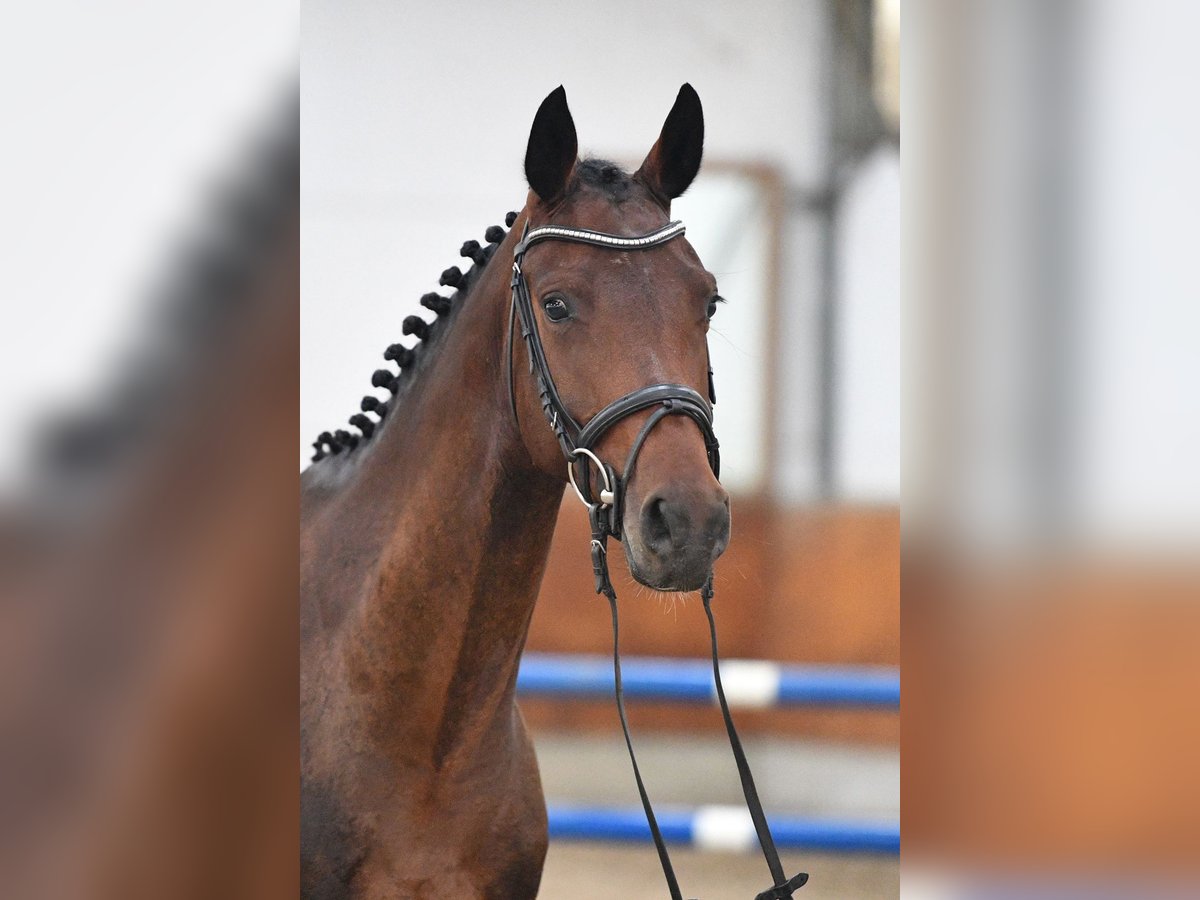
414	132
1050	418
149	268
1052	431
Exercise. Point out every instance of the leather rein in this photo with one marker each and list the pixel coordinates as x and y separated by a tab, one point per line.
605	500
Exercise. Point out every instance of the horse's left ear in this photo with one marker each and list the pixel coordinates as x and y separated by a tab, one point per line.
674	159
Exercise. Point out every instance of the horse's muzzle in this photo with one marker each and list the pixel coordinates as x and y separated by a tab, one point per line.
679	533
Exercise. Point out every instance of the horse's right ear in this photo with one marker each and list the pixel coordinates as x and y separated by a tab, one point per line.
550	157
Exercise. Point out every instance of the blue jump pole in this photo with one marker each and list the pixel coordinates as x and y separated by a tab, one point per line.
748	683
722	828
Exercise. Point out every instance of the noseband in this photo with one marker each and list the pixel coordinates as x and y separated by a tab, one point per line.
605	501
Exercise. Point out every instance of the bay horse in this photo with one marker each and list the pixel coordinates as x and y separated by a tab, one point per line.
424	535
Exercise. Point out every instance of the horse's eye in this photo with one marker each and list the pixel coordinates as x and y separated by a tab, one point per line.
712	304
556	309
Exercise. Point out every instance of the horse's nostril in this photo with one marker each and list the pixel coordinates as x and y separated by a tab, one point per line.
656	525
681	532
672	525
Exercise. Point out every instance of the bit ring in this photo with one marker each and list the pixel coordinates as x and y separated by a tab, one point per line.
606	493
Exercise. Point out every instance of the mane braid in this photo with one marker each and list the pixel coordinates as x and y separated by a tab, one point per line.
409	360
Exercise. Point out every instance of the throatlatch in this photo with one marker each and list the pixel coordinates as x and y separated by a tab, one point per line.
604	499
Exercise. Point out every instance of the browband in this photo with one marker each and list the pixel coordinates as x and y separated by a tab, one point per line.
599	238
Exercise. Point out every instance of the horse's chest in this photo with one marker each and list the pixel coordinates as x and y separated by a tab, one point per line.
474	834
452	884
504	865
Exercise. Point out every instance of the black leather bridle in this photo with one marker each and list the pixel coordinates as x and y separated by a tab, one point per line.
605	501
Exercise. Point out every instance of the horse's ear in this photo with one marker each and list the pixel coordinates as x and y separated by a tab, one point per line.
552	150
674	159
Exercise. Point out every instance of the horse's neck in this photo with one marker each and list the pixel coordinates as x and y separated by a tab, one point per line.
461	522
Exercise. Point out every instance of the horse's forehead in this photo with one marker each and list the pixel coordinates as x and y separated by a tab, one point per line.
672	269
635	213
674	265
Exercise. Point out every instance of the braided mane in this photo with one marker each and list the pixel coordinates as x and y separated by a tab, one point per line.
599	174
406	358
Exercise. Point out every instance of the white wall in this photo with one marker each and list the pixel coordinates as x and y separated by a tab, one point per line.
867	438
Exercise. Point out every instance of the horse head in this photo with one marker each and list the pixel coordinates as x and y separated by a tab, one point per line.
614	318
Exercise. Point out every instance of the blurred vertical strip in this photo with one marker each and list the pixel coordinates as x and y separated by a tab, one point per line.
1051	509
148	636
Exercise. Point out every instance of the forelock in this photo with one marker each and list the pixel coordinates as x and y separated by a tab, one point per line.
606	177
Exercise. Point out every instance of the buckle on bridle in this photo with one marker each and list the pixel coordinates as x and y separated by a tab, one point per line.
607	497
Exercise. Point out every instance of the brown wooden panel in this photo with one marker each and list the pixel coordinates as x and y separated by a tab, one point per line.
808	585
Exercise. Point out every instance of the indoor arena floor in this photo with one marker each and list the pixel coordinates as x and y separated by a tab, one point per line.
805	777
620	872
